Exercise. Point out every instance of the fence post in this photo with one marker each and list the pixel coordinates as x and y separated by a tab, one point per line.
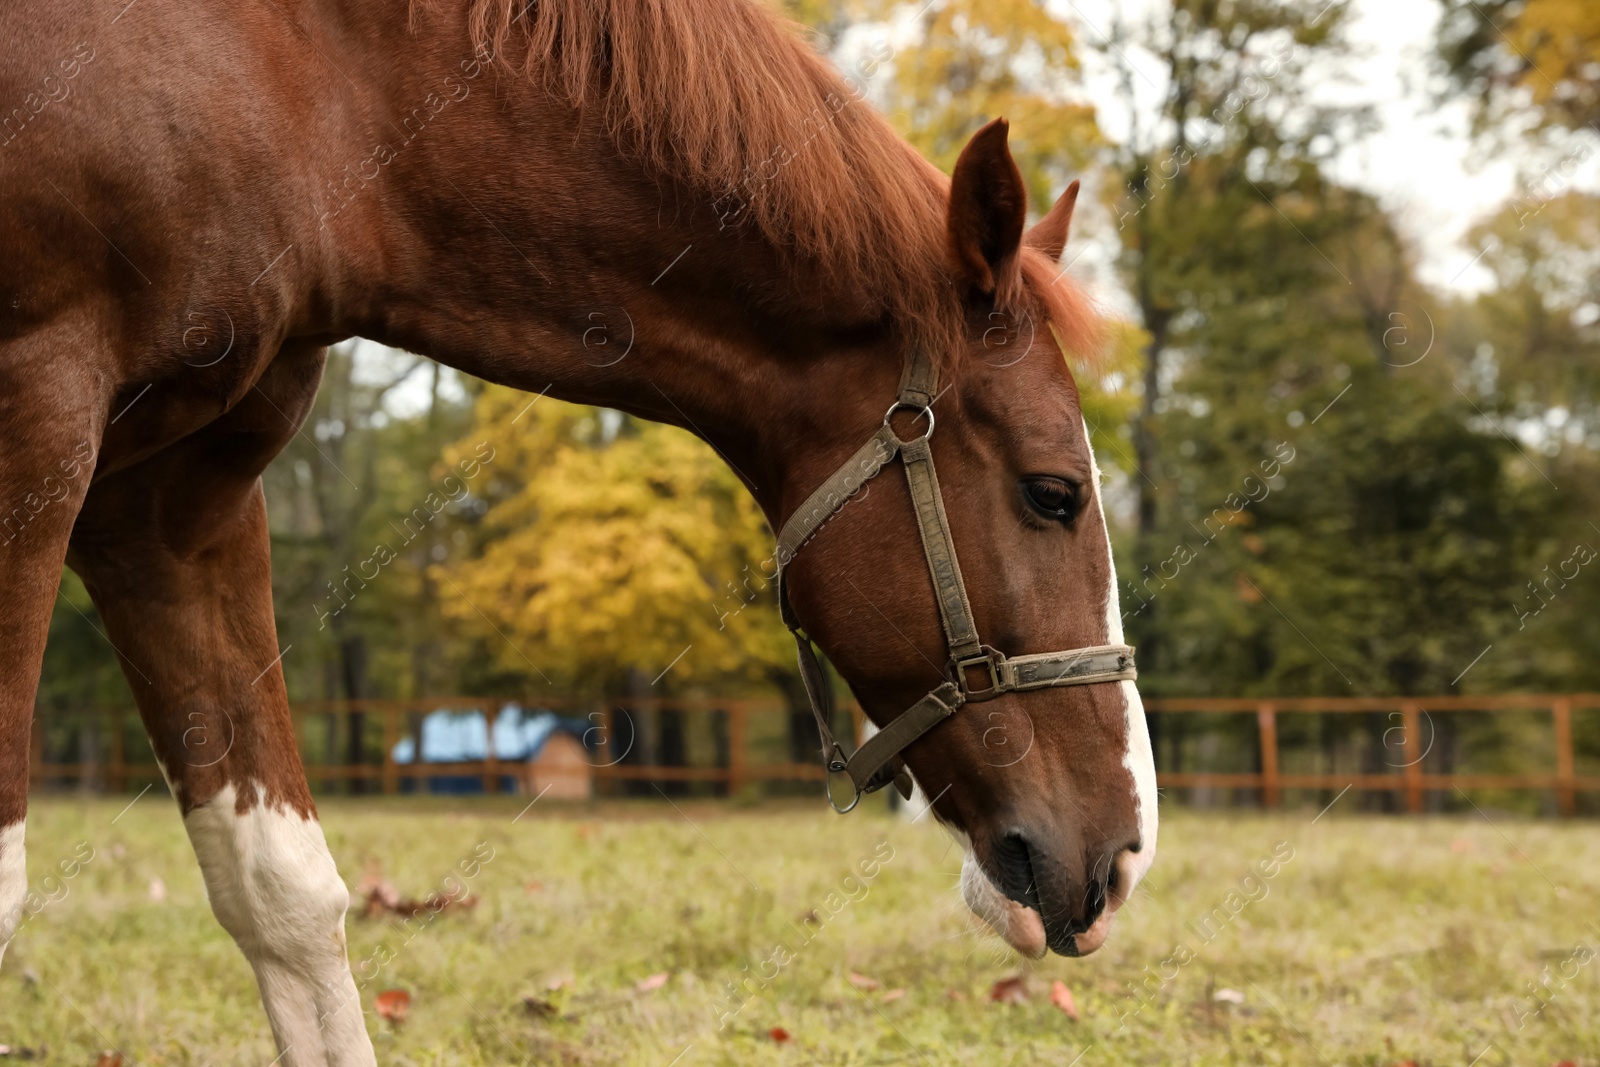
1410	717
391	732
1566	785
1267	724
738	735
117	773
608	746
491	763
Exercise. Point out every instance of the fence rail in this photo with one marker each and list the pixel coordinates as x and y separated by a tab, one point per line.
1410	779
733	767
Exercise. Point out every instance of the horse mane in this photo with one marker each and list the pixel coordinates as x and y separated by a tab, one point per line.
726	97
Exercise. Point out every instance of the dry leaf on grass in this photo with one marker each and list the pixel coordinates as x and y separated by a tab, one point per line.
779	1034
651	984
1061	997
539	1007
893	995
385	899
109	1058
861	981
393	1005
1013	990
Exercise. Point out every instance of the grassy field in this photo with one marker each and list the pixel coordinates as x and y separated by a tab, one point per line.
1376	941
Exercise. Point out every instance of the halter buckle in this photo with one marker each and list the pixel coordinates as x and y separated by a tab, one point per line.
987	660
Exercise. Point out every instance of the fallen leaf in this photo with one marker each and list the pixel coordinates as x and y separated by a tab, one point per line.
778	1034
537	1006
1228	996
384	899
1013	990
861	981
651	984
109	1058
893	995
394	1005
1061	997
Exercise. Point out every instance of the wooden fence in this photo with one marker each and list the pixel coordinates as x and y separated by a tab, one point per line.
399	718
1408	777
738	760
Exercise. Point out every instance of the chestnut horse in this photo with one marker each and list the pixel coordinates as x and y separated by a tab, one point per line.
197	199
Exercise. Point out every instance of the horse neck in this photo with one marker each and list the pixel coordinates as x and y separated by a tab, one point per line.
549	262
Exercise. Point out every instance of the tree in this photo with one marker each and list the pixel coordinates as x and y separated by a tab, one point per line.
1540	57
616	550
1533	341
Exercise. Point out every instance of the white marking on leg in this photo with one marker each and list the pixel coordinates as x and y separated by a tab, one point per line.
273	886
13	882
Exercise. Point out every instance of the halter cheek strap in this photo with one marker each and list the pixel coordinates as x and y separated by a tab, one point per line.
975	672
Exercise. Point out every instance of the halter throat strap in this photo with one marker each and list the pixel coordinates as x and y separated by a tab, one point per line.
975	672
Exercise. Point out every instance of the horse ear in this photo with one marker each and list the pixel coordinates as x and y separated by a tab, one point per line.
988	206
1049	234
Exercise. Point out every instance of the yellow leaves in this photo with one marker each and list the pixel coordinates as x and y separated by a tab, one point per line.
979	59
1109	390
619	544
1561	39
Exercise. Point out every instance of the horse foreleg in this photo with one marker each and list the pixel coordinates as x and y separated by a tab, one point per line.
49	421
175	554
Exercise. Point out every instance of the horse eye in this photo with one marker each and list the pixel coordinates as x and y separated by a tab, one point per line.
1053	498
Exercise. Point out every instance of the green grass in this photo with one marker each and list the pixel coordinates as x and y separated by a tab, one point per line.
1382	940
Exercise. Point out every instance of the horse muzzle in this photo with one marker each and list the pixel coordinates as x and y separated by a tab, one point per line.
1037	902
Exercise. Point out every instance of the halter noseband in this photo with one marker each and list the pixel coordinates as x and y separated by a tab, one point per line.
877	762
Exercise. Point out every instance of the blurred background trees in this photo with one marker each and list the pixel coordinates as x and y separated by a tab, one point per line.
1414	465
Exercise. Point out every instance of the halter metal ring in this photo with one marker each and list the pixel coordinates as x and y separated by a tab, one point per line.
920	409
827	788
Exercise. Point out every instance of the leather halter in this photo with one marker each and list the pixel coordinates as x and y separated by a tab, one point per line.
975	671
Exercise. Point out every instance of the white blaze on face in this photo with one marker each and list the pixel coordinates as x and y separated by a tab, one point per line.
1138	758
13	882
273	885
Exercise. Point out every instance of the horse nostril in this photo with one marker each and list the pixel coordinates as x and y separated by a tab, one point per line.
1018	880
1094	901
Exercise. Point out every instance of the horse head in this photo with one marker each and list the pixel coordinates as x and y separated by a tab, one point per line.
971	603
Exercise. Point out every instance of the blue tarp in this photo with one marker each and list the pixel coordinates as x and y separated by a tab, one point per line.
454	736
